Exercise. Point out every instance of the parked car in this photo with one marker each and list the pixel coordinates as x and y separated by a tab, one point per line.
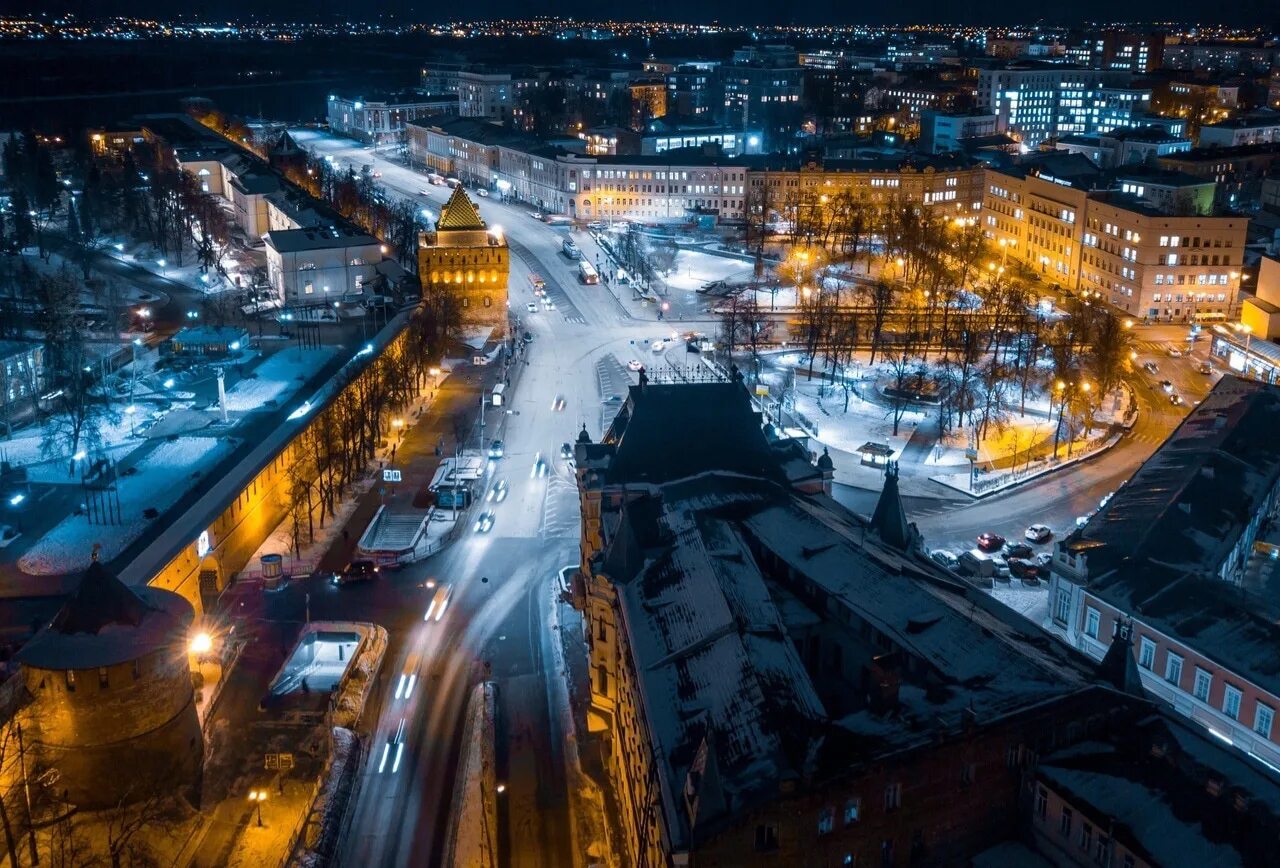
531	307
635	365
484	522
990	542
976	563
1204	368
482	193
496	449
1001	566
1018	550
944	558
1021	568
1038	533
356	571
1043	559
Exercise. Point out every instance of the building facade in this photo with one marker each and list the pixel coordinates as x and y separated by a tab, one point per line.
466	261
323	266
381	119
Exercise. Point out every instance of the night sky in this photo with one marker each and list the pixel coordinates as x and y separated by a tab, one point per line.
729	11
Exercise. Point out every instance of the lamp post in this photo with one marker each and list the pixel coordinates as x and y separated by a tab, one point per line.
257	797
1247	331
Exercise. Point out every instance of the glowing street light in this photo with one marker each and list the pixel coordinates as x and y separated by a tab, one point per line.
201	643
257	797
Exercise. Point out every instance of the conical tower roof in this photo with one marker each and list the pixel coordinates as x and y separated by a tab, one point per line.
101	600
890	518
459	213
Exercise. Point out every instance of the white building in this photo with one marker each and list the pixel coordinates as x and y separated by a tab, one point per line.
1034	104
1262	128
381	119
308	267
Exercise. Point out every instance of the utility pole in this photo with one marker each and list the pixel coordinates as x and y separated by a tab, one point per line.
26	792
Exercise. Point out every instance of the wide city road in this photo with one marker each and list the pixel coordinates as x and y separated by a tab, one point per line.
503	582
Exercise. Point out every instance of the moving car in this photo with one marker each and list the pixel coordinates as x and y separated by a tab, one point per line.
566	451
531	307
944	558
548	303
1151	367
496	449
558	404
482	193
539	466
439	602
569	249
527	337
484	522
1176	400
1018	550
1204	368
498	492
356	571
1166	385
1038	533
1175	352
990	542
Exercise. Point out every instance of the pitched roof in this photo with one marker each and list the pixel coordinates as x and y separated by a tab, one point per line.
890	518
459	213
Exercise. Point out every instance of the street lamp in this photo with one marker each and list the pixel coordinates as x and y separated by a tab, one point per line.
201	643
257	797
1247	330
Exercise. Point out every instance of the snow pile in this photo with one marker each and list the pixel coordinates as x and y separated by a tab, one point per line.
324	824
161	477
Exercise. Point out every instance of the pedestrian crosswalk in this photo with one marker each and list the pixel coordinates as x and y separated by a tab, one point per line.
560	508
575	319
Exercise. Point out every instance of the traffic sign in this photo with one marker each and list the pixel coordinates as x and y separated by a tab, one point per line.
389	475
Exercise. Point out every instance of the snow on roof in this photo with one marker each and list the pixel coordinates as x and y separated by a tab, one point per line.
710	637
1159	545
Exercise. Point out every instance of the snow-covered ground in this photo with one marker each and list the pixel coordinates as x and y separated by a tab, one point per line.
694	269
161	477
279	376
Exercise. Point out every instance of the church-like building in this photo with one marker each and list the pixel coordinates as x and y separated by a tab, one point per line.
466	259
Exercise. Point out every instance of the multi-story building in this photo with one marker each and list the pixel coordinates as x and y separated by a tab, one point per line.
762	90
775	680
21	375
694	89
1229	57
381	118
1124	146
1148	252
322	266
1125	50
672	133
648	100
1170	553
1238	172
911	100
943	132
466	261
833	97
1041	102
1259	128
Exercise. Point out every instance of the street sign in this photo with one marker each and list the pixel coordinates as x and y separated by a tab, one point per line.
971	454
286	761
272	762
389	475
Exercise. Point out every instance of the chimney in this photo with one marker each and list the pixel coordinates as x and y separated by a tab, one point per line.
882	684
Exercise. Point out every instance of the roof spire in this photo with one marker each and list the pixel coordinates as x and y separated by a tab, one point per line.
889	520
459	212
1118	668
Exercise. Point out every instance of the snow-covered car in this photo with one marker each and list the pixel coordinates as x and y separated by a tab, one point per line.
1043	559
1038	533
944	558
635	365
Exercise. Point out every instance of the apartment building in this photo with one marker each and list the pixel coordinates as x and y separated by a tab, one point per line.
380	118
1129	51
763	87
694	89
944	132
1169	558
1125	146
1238	173
1043	102
1260	128
1134	237
21	375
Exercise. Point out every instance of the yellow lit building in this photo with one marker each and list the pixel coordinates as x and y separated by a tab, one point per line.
466	259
